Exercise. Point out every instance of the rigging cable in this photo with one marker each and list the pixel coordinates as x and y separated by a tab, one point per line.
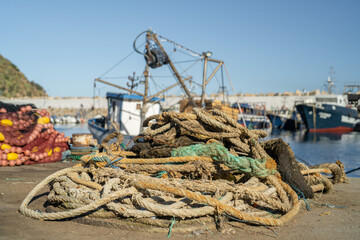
185	61
178	45
176	80
187	54
192	65
115	77
222	82
155	85
212	68
120	61
123	77
236	97
142	76
117	64
223	85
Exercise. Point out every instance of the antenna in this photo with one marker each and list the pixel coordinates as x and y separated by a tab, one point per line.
132	84
330	80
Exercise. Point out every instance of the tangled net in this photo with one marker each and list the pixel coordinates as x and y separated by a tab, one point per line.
27	136
214	180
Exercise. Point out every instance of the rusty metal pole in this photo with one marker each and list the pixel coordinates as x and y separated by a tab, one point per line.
175	72
145	99
204	82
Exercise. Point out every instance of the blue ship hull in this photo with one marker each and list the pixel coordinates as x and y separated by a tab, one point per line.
328	118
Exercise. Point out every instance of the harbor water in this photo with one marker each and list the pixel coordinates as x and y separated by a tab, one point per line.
312	148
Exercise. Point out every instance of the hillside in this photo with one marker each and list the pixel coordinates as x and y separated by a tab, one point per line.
13	83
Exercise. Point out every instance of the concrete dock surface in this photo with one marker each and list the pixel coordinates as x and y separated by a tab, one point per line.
322	222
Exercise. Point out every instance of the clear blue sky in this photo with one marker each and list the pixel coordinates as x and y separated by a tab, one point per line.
267	46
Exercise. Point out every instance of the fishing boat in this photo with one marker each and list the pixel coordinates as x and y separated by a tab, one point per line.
329	113
127	111
124	110
254	115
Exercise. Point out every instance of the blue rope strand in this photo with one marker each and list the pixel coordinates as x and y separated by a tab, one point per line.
327	205
112	162
170	228
101	159
160	174
302	196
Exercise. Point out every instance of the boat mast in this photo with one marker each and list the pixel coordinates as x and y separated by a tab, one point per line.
205	55
330	81
151	35
144	107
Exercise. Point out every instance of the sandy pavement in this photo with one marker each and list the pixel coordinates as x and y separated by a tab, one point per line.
319	223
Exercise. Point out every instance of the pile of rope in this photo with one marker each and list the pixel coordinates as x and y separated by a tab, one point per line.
221	176
170	130
28	137
306	180
320	183
136	200
183	129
